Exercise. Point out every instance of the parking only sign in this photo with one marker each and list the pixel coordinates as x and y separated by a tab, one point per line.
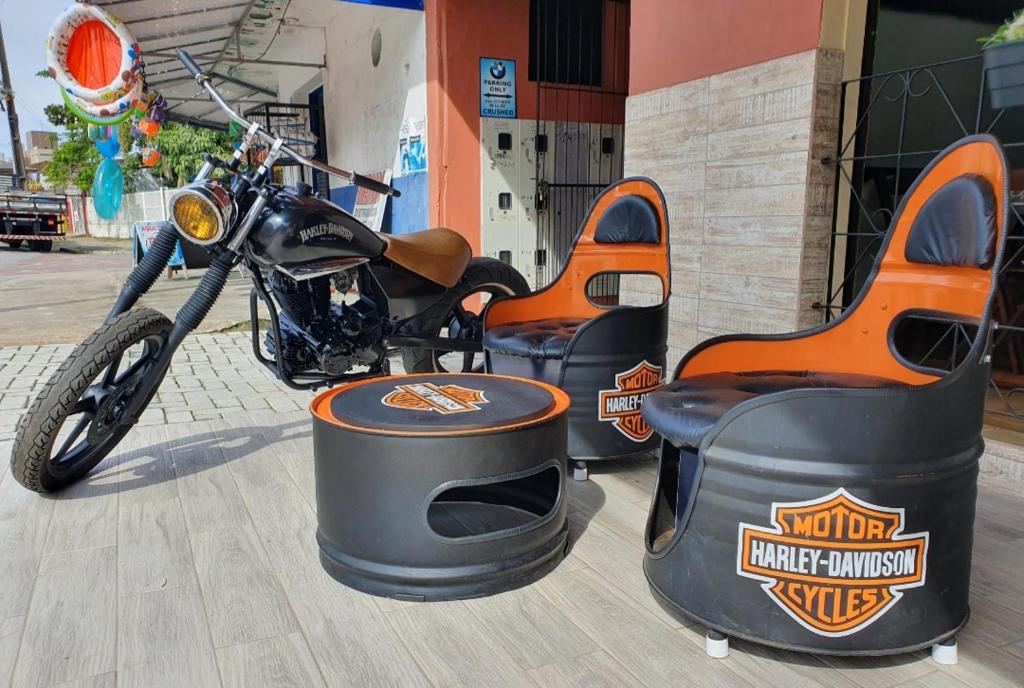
497	87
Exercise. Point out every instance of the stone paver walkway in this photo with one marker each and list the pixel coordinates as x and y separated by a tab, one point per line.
53	298
211	377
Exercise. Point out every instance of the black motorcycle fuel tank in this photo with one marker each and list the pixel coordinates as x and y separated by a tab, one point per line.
300	232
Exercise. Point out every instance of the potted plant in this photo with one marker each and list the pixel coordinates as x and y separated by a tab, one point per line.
1003	54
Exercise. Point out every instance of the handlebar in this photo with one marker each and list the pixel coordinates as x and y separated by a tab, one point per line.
189	63
203	80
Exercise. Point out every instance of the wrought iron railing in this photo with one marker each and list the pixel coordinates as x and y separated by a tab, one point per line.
863	209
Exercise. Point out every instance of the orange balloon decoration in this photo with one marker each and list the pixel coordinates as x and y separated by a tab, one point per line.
149	127
150	156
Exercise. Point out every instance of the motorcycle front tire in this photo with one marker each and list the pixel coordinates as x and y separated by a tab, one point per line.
32	462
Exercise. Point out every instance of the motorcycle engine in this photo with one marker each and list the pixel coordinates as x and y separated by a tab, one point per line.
320	334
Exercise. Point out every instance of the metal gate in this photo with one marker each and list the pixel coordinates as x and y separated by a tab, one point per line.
579	58
931	105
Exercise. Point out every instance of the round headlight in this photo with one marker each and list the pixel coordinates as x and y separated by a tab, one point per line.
201	213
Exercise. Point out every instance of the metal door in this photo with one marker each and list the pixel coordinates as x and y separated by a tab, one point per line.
579	59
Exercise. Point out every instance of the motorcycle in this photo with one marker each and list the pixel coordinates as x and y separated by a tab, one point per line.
414	292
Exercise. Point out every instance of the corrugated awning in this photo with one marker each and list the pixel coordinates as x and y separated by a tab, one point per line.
240	42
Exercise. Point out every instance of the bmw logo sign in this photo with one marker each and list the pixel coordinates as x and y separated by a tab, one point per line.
498	70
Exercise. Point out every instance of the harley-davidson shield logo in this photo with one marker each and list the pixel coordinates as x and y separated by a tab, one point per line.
835	564
426	396
621	406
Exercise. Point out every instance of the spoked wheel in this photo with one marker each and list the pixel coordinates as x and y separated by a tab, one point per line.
464	324
81	413
458	317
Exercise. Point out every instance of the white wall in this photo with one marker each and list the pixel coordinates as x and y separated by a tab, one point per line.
366	105
135	207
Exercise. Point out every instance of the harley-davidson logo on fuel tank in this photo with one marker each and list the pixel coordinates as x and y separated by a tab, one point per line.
621	405
427	396
326	229
835	564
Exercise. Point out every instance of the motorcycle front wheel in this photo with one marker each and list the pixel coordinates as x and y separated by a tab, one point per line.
457	316
79	415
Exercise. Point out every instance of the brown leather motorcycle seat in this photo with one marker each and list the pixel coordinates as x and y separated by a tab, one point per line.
438	254
685	410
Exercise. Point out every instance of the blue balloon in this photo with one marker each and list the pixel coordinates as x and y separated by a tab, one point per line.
108	148
108	189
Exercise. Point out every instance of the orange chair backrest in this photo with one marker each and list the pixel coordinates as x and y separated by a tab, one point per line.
567	296
860	340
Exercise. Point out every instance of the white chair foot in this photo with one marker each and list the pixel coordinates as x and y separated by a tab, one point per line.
580	472
716	644
945	652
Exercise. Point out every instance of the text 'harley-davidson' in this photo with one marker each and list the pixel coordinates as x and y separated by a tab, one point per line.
414	292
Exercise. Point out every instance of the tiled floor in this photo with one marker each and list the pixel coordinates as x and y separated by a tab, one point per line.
188	559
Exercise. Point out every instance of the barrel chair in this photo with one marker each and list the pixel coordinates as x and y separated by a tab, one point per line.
816	491
607	357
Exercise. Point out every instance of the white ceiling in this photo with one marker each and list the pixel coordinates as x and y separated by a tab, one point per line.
240	39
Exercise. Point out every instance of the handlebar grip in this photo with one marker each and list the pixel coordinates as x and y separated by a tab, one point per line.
374	185
189	63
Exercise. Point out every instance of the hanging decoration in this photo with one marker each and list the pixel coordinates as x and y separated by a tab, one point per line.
150	156
95	59
153	113
98	64
108	189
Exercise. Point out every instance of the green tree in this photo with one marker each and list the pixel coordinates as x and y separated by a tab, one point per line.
182	147
75	159
181	151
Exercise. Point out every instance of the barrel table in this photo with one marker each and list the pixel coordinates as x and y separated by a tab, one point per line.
438	487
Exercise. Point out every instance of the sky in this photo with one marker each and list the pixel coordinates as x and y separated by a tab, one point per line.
25	24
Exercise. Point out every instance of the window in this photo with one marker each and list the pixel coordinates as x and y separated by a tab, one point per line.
566	41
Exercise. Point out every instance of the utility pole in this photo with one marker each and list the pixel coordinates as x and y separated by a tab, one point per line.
12	117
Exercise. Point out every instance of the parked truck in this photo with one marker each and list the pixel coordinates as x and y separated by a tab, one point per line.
34	218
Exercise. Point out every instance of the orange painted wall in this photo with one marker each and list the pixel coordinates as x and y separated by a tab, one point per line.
671	41
459	33
675	41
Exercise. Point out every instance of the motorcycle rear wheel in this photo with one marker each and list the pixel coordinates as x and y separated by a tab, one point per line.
449	317
91	385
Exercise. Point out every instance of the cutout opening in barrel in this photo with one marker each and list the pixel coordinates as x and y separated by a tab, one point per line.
675	482
608	289
495	507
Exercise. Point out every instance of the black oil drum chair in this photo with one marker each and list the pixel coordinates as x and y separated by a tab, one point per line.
606	356
816	490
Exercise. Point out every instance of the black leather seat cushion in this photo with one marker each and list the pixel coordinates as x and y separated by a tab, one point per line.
956	225
534	338
628	220
685	410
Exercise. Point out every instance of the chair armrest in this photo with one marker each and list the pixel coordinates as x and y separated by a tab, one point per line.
739	352
562	298
813	430
837	346
506	309
627	330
